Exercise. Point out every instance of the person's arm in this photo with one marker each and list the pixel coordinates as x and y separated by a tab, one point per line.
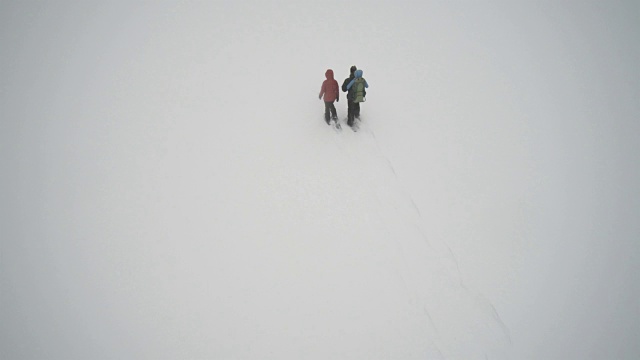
351	84
322	90
366	85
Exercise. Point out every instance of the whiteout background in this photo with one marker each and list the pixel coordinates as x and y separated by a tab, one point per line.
169	188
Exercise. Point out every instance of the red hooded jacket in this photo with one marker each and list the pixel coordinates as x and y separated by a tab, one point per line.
330	87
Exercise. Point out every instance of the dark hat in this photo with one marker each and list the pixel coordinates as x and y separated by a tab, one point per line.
353	69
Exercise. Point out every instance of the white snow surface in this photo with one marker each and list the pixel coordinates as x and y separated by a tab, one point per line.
169	189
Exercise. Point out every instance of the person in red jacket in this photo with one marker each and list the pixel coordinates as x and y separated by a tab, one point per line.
331	93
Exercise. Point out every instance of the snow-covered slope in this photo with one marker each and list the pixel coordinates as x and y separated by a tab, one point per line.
170	189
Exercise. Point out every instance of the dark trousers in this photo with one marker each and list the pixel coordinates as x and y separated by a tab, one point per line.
329	108
353	111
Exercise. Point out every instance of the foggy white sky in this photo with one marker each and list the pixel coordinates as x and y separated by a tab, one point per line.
169	189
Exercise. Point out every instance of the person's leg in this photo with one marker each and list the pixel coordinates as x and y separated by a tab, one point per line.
356	110
334	113
350	108
327	109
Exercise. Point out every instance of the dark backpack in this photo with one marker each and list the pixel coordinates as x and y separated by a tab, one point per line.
345	83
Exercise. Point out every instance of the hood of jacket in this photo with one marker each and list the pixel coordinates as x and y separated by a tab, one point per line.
358	73
329	74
